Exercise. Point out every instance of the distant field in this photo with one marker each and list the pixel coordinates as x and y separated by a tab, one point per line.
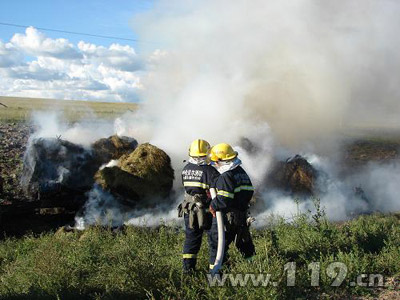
19	109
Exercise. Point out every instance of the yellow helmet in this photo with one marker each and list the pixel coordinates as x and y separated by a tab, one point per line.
199	148
222	152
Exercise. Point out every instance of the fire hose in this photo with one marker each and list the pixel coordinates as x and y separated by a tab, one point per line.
221	239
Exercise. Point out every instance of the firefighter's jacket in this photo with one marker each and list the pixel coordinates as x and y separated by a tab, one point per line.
198	179
234	191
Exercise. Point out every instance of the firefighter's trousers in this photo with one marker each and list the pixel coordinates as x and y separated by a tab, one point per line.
237	233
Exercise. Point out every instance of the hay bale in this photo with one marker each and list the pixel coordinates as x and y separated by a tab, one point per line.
113	147
143	175
296	176
123	184
54	166
58	172
150	163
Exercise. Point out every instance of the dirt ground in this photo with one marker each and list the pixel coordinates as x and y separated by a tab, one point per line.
13	140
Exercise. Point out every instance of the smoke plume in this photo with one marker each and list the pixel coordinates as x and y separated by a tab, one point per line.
307	68
51	124
290	76
293	76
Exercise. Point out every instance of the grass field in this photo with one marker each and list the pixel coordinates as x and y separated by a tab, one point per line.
140	263
19	109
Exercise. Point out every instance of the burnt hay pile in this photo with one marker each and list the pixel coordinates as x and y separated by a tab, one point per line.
55	179
56	170
113	147
295	176
60	173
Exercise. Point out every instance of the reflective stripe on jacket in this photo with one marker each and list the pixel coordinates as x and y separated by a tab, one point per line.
197	179
234	190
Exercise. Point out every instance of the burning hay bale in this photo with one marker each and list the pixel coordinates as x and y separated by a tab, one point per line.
146	173
296	176
62	175
58	170
55	166
113	147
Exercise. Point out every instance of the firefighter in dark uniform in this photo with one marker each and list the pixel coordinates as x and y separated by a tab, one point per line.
234	192
198	178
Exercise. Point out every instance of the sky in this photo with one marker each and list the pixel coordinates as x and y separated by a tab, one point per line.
45	64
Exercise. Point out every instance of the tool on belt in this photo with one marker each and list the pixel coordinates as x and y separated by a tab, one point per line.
194	206
240	222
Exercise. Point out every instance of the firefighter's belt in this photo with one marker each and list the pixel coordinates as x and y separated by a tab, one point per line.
194	207
237	218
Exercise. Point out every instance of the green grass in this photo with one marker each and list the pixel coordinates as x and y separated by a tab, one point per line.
20	109
140	263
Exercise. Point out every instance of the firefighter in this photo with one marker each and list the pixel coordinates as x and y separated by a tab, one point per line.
198	178
234	192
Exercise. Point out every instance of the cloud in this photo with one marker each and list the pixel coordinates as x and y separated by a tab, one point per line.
9	56
35	43
59	69
116	56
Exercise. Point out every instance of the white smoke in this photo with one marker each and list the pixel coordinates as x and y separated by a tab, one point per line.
111	163
308	68
303	71
52	124
291	76
378	192
103	209
381	184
